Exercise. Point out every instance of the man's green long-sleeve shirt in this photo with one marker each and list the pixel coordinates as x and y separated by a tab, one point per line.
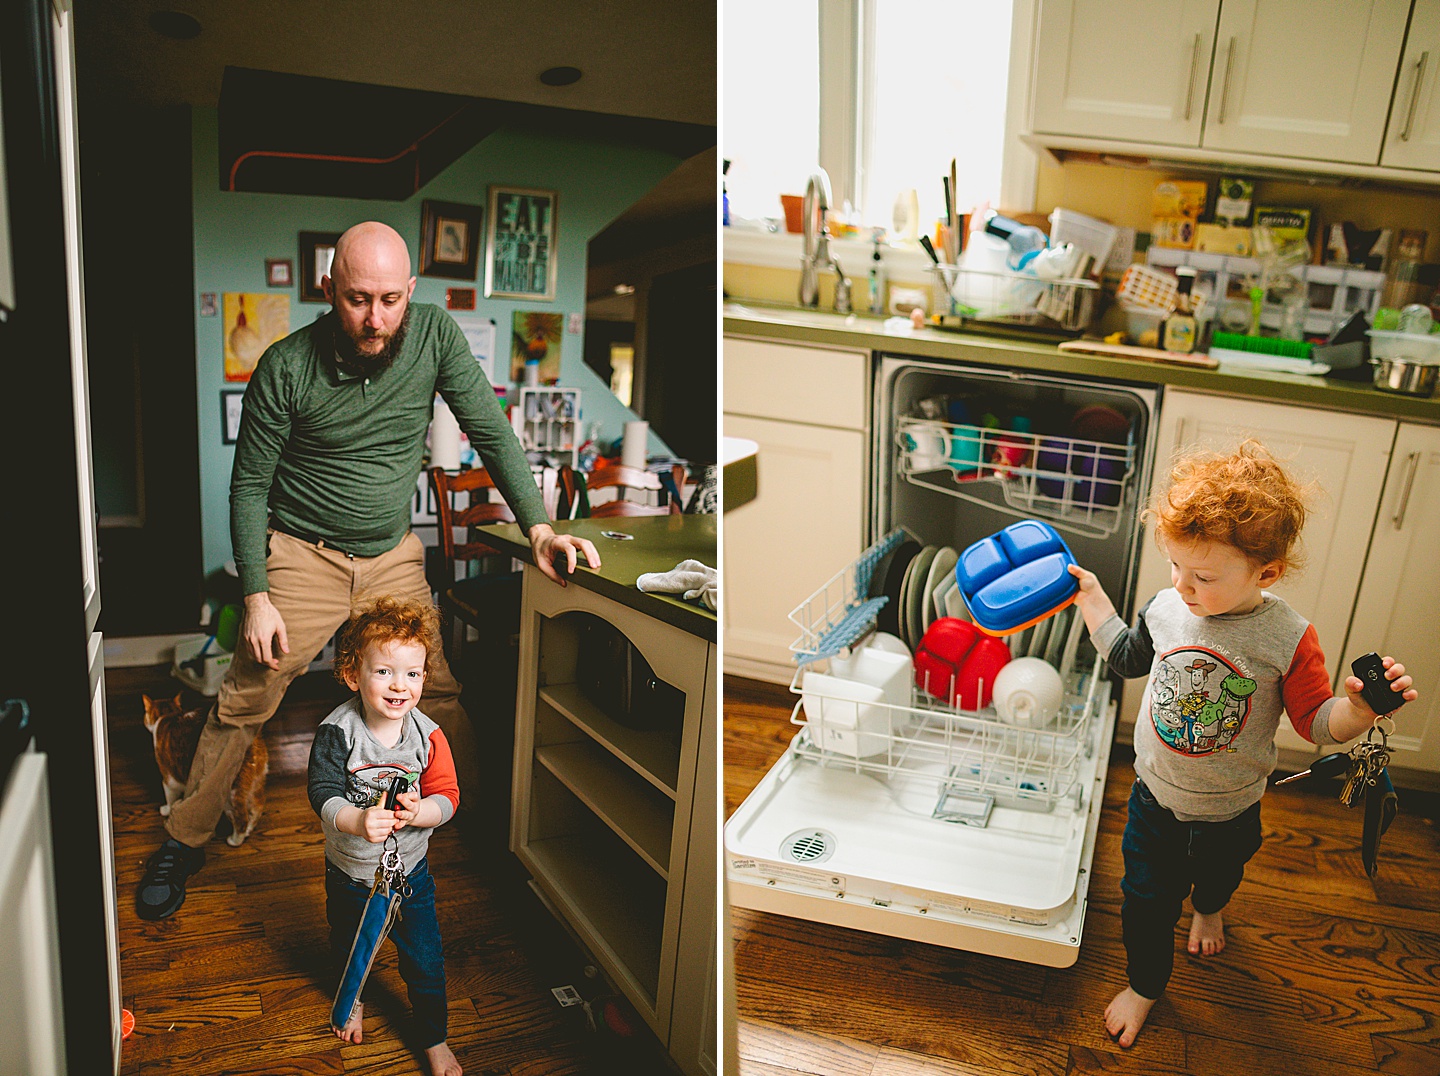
330	452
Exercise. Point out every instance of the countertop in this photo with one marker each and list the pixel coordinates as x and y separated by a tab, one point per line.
659	543
816	327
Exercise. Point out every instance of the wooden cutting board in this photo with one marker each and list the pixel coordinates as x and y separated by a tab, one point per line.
1145	354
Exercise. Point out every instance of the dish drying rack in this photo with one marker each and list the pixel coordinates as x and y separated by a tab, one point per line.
1077	485
996	297
964	762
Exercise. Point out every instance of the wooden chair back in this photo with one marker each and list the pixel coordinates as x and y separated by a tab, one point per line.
621	478
481	507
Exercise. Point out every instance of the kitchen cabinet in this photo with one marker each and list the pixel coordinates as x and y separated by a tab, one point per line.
1412	139
613	812
1400	591
1156	95
1259	78
1344	456
807	410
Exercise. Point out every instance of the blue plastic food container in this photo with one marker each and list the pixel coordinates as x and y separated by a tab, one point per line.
1016	577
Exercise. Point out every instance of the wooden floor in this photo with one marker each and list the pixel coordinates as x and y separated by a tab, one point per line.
238	981
1324	972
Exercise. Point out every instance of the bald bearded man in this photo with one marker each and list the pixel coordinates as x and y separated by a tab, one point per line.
330	446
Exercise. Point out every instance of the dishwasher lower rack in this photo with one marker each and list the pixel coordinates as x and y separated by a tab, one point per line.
963	763
1076	484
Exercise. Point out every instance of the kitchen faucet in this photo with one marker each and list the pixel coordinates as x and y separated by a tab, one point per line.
817	246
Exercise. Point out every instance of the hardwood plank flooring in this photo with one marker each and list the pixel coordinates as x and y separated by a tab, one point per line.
239	980
1324	970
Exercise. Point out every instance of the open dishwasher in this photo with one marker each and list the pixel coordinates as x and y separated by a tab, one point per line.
906	814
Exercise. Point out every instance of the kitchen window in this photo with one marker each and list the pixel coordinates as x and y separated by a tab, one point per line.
882	93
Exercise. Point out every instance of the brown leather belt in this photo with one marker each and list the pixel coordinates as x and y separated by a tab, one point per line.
305	536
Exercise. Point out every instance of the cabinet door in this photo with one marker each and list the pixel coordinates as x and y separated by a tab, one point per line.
806	523
1413	138
1155	92
1395	611
1304	78
1344	456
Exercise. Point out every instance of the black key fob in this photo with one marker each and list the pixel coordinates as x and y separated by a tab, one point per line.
1377	691
392	797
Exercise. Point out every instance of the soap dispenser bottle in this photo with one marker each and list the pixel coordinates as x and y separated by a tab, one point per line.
877	277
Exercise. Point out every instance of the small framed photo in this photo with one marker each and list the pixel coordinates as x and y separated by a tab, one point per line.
208	306
279	272
449	239
521	258
231	401
317	250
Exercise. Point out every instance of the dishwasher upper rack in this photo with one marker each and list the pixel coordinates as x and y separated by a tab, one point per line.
962	756
1077	485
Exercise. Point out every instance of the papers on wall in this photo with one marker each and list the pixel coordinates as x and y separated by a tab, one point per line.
480	335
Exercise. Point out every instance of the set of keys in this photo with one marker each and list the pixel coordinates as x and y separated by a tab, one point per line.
1362	765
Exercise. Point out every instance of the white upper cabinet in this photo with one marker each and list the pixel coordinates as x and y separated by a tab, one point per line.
1412	139
1135	70
1304	78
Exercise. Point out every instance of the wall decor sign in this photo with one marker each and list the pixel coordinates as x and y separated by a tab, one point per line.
231	405
317	250
279	272
449	239
459	298
520	262
252	322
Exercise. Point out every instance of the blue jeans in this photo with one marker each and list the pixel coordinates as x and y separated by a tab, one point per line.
416	935
1167	860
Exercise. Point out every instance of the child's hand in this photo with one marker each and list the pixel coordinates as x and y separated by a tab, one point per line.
1399	683
376	823
406	805
1095	605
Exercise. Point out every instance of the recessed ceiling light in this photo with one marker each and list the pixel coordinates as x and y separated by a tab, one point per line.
175	24
560	76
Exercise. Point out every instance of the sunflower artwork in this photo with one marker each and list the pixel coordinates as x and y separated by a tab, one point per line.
536	336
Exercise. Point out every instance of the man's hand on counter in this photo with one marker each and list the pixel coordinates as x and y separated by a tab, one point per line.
550	548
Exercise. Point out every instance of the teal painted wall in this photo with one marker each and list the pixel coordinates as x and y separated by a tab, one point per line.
236	232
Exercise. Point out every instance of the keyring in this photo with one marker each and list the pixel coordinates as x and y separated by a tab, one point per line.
1376	726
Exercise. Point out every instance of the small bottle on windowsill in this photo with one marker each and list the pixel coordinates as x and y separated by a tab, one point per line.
1178	333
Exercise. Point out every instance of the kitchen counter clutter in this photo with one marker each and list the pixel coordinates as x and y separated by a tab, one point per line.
817	328
613	802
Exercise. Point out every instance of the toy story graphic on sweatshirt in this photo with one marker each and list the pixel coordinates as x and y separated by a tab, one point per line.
1200	700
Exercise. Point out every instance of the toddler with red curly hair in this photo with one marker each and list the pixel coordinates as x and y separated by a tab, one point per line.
1224	657
367	744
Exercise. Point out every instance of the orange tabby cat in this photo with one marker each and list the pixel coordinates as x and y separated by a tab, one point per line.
177	734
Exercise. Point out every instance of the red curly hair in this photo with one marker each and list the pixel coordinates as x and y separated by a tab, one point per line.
382	621
1243	499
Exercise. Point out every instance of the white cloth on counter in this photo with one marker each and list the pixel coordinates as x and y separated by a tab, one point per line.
690	579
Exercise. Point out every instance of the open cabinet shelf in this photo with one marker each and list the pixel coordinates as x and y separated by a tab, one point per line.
654	756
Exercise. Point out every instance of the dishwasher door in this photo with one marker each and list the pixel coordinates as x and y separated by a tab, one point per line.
1056	481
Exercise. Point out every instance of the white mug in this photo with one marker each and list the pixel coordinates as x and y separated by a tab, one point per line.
928	447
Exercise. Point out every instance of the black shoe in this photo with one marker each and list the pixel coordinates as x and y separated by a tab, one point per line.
162	890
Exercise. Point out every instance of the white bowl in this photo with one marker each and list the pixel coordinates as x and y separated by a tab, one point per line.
1418	347
1028	693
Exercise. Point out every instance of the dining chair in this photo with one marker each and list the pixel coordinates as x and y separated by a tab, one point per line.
576	486
463	500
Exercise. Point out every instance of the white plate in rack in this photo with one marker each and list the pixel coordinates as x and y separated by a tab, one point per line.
913	607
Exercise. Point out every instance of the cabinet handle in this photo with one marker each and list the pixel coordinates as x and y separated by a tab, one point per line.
1190	84
1414	96
1413	459
1225	86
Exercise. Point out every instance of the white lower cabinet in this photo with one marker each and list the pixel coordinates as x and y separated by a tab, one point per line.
806	409
1395	610
615	819
1344	456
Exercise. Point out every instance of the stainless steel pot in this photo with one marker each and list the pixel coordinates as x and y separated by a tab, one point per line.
1406	376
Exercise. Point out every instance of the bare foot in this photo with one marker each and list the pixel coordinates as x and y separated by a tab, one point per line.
442	1061
1207	934
352	1031
1125	1016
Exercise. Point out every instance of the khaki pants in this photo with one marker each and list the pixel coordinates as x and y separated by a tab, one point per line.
313	588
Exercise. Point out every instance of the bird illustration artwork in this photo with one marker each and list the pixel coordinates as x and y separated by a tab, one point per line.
536	338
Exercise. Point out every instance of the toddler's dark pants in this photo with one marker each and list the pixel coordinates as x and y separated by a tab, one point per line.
416	935
1167	860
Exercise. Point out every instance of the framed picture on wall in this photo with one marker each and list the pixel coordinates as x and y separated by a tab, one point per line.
520	261
449	239
317	249
231	402
278	272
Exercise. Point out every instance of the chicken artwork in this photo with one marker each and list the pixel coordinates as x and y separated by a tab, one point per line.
252	323
1198	701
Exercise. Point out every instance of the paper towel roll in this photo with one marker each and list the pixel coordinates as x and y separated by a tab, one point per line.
444	438
635	448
